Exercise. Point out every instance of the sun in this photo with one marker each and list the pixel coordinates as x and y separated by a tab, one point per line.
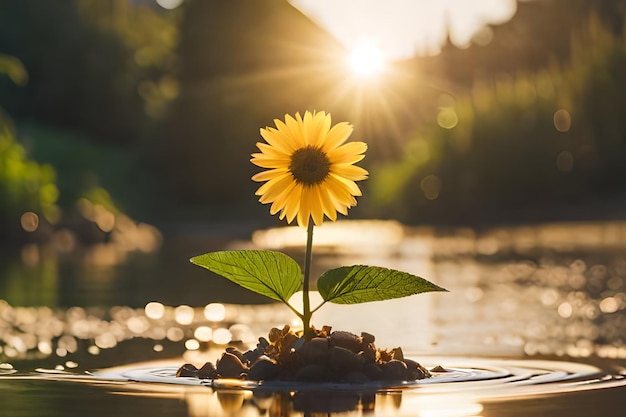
366	60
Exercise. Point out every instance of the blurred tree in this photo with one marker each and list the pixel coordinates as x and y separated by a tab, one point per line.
539	35
78	74
25	186
516	145
30	203
193	98
243	63
100	80
99	67
597	79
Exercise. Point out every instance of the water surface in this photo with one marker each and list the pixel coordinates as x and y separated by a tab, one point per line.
540	308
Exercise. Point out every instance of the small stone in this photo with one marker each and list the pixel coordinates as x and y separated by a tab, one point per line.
288	341
367	338
397	354
314	351
314	372
275	334
373	372
263	343
384	355
338	356
229	366
207	371
343	360
187	370
369	352
415	370
251	356
235	352
394	370
346	340
355	378
264	369
298	343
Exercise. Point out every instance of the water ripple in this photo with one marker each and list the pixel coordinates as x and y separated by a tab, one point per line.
483	378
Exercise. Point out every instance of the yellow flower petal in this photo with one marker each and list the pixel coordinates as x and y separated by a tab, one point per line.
350	185
292	204
285	135
337	135
324	128
268	175
350	172
294	130
271	189
264	162
348	153
310	172
281	199
276	139
308	128
328	207
269	150
340	195
309	207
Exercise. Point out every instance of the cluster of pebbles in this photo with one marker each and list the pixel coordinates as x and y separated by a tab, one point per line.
328	356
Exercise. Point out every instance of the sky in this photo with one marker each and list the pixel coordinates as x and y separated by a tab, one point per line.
402	28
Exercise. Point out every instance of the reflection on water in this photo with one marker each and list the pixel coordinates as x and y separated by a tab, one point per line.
555	291
465	388
62	272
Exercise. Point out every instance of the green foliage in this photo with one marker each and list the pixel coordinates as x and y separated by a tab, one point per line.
277	276
362	284
24	184
95	67
28	181
518	142
86	83
83	165
272	274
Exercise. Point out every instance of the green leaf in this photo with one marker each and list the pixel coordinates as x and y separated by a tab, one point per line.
272	274
362	284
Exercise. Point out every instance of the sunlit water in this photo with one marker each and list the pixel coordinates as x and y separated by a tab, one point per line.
534	323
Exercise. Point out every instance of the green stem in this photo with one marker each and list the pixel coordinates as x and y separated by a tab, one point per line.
318	307
295	310
306	303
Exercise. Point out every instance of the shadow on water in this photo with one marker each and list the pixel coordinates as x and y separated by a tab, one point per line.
552	292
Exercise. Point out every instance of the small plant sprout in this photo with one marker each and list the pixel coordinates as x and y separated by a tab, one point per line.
310	173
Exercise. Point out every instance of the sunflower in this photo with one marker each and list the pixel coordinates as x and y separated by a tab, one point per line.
310	170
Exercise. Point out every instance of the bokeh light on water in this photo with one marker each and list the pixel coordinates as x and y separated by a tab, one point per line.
516	294
549	290
554	289
41	334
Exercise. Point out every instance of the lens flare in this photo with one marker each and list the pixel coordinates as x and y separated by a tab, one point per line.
366	60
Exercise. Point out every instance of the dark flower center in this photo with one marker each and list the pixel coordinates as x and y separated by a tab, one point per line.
309	165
